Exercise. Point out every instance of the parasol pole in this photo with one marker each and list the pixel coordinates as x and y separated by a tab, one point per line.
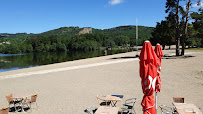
156	93
156	101
159	54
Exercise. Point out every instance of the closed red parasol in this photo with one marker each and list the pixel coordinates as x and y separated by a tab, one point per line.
148	73
159	54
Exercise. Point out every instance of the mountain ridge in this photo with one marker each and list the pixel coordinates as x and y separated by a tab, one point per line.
71	31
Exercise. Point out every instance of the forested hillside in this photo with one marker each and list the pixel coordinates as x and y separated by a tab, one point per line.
127	31
63	32
68	38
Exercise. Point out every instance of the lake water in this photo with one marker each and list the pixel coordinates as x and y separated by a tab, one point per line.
10	62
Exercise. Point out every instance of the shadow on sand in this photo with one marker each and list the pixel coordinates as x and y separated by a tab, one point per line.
177	57
93	111
164	57
126	57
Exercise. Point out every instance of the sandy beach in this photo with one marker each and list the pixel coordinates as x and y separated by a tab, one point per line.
71	87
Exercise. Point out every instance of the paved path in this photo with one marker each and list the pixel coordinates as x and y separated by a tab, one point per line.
65	69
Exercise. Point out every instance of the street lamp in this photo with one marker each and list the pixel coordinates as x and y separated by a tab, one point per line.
136	38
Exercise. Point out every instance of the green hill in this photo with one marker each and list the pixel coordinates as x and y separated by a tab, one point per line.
144	33
73	38
67	32
130	31
63	32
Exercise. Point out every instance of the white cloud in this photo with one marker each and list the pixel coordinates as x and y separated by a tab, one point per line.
200	4
114	2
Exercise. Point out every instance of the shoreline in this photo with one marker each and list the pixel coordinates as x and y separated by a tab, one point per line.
21	61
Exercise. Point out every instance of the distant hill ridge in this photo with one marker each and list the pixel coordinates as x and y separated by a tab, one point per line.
73	38
130	31
66	32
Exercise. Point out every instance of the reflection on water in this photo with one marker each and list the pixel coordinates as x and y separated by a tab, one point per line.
1	54
18	61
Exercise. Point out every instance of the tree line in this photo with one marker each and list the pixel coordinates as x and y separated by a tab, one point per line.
52	43
175	29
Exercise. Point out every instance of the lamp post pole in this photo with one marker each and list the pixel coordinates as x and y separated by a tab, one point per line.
136	38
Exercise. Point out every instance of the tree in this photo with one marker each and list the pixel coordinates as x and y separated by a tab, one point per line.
29	48
22	48
53	47
40	48
12	48
2	49
198	24
109	43
163	33
172	7
188	4
61	47
121	40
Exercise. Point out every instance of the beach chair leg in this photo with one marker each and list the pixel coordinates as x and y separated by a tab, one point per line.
22	107
114	104
36	105
15	108
30	108
27	105
9	106
134	110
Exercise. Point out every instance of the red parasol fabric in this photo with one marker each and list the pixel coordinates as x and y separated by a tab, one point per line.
148	73
159	54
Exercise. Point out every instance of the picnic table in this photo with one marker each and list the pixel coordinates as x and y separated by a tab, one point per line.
185	108
107	110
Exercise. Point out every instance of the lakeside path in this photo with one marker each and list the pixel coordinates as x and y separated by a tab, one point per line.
71	87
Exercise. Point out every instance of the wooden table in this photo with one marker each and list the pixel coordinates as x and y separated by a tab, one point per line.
21	97
107	110
184	108
113	99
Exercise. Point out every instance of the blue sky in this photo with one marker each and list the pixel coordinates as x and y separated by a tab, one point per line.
36	16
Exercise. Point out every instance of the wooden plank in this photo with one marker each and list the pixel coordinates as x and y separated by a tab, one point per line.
184	108
21	97
107	110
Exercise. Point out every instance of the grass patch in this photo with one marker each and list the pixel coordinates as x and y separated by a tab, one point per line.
200	73
194	49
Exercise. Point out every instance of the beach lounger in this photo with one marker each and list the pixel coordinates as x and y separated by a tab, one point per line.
101	101
31	101
128	107
12	101
4	110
